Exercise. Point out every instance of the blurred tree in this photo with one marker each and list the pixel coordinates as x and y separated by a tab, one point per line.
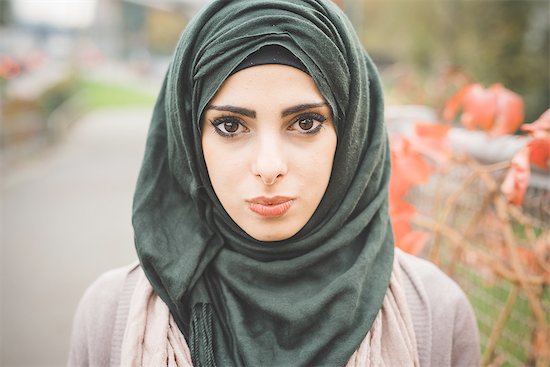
163	30
133	25
4	12
487	41
152	28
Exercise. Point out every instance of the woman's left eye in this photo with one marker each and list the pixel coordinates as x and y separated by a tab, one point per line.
309	123
228	126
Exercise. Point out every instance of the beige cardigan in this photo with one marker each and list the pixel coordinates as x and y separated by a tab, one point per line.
443	320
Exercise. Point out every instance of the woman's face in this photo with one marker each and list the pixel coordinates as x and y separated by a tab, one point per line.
269	141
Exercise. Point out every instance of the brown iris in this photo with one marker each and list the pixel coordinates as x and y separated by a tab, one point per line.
231	126
306	124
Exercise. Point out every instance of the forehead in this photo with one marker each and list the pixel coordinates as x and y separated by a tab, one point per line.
268	84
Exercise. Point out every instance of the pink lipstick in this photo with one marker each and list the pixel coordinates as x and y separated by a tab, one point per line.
270	207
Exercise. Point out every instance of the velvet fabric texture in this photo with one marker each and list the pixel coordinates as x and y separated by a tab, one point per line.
275	303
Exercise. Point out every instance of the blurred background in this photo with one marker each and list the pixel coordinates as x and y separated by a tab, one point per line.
78	80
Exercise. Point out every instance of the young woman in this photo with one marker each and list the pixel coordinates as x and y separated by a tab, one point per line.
261	212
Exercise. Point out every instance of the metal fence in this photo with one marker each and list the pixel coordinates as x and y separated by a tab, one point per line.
499	254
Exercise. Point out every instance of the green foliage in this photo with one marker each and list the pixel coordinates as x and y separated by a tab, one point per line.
99	94
57	94
163	30
490	42
4	12
487	296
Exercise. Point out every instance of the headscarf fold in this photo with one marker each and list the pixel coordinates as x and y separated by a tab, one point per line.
271	303
151	337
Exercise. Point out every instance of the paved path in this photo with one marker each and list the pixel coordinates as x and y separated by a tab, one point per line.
64	219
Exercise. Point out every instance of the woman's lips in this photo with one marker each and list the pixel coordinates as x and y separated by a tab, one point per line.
270	207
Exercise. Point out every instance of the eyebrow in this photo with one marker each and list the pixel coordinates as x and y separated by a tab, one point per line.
252	114
239	110
301	107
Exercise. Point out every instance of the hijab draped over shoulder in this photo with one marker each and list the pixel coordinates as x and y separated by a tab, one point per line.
307	300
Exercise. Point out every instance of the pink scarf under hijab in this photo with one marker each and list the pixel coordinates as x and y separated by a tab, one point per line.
152	337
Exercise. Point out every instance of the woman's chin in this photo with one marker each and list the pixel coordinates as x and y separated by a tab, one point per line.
271	232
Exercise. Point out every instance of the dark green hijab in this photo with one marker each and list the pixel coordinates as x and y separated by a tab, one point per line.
310	299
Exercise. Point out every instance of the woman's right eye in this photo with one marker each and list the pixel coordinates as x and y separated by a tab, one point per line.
228	127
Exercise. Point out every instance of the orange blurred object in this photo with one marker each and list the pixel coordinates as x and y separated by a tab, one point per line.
542	124
9	68
408	169
496	110
431	140
539	152
517	178
539	147
408	166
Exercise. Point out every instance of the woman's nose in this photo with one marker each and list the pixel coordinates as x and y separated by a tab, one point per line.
269	164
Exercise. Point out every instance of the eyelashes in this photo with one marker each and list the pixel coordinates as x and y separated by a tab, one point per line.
308	123
229	126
